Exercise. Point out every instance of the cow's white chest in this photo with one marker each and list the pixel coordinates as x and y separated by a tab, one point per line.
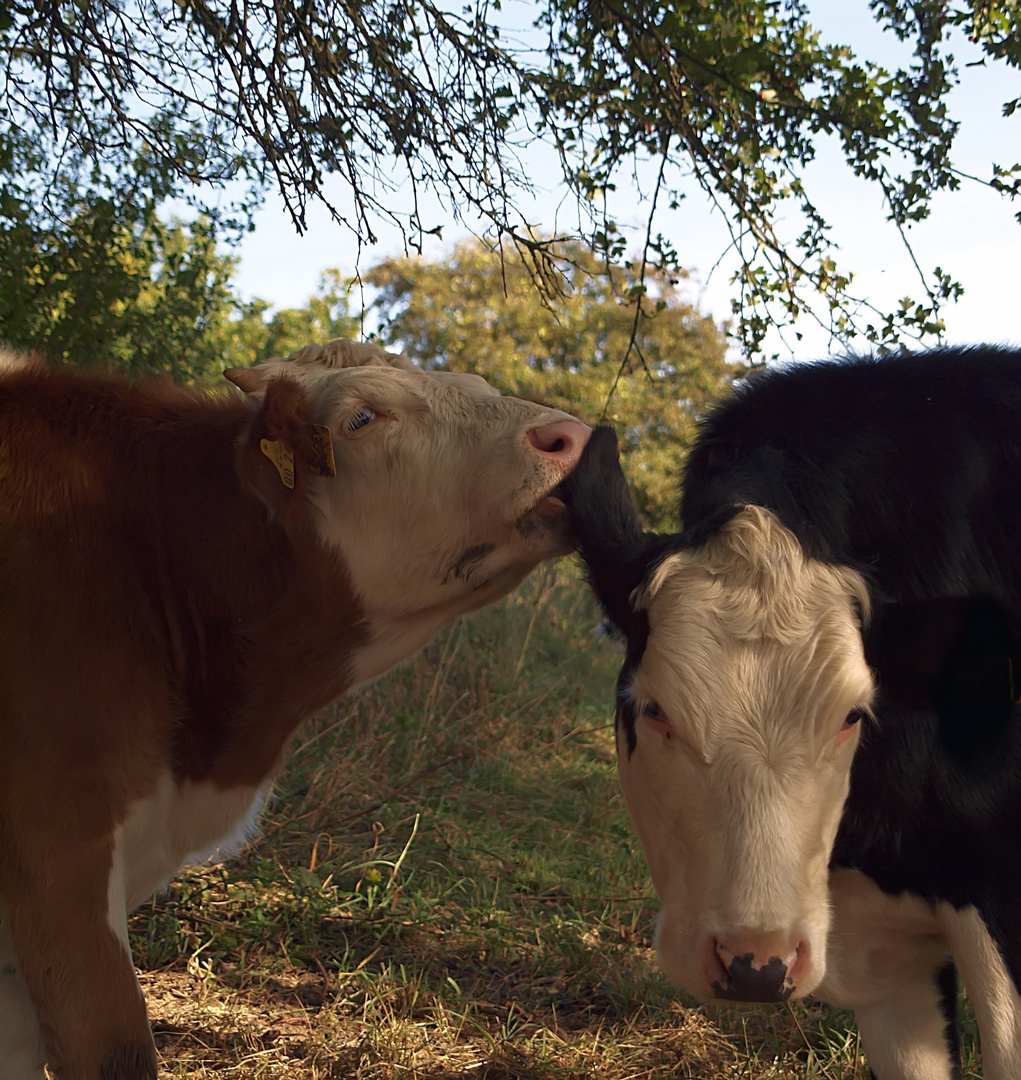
176	824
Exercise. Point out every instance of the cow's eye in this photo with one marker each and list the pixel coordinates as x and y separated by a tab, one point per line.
853	717
360	418
851	721
657	718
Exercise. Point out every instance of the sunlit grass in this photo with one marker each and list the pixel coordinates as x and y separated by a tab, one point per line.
447	886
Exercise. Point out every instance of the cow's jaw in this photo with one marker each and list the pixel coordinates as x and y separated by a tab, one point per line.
736	777
441	548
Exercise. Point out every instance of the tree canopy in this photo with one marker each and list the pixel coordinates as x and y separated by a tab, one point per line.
137	101
475	311
150	297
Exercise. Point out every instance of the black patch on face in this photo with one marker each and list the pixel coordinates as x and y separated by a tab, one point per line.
626	716
619	555
466	563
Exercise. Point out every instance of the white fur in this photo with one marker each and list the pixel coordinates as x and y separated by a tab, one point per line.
882	959
446	469
175	825
312	362
883	954
991	989
12	359
754	658
903	1036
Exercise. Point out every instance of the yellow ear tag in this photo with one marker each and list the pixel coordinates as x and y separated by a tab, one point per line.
320	459
282	457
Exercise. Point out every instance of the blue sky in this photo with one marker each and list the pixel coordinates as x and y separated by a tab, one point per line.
972	234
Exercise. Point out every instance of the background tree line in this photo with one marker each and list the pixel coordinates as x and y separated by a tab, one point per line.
157	299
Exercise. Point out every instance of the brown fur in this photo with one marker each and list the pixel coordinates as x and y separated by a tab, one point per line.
183	579
153	609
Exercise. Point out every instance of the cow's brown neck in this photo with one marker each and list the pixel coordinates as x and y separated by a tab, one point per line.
270	635
258	617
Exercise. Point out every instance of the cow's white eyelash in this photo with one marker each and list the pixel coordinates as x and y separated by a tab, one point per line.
360	418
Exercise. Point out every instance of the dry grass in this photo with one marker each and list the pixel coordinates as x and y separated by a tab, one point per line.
447	887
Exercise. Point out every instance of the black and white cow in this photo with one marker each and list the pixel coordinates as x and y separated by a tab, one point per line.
817	730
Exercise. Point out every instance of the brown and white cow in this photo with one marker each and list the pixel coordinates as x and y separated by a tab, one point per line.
818	722
183	579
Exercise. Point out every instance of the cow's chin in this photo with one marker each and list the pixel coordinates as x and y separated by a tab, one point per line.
679	956
545	528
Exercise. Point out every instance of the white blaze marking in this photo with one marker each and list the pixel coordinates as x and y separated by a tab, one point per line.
754	659
173	826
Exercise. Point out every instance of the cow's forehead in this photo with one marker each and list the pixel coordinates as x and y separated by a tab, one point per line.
748	631
474	385
752	580
387	385
714	688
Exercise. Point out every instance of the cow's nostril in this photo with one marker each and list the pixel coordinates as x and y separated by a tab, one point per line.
562	439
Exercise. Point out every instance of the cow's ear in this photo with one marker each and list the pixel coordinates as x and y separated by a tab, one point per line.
280	441
607	529
958	657
247	379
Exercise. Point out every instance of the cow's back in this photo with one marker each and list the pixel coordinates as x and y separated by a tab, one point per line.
906	466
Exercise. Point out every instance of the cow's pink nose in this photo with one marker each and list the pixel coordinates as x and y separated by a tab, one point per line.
748	965
563	441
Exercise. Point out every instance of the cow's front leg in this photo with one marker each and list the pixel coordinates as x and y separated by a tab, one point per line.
887	960
21	1042
68	927
912	1033
991	990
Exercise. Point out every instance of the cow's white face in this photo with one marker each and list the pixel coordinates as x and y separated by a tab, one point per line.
443	498
743	710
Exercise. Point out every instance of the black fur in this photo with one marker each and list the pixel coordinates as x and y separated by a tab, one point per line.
610	535
619	555
907	468
946	987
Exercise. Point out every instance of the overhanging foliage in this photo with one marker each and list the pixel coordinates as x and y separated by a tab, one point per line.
185	96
